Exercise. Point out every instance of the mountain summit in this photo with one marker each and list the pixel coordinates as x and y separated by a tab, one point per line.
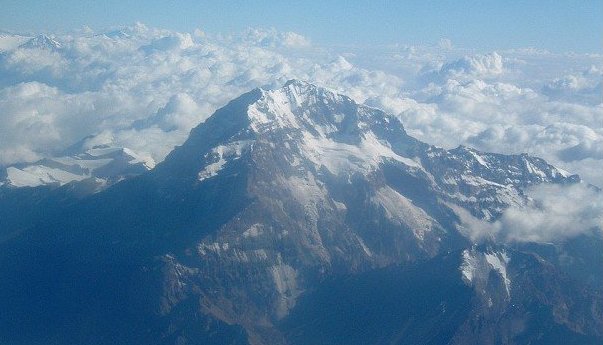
296	216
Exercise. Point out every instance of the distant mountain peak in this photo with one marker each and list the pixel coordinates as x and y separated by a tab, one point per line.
42	41
105	164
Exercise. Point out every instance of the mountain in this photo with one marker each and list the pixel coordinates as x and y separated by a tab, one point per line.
103	163
42	42
296	216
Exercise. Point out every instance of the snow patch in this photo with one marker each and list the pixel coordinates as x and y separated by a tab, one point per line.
563	172
214	247
273	110
469	265
38	175
479	159
254	231
476	267
533	169
340	158
479	181
223	154
498	262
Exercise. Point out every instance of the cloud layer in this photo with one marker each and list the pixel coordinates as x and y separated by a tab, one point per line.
145	88
554	213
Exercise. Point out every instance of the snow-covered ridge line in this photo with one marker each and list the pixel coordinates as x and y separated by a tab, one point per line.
107	164
325	128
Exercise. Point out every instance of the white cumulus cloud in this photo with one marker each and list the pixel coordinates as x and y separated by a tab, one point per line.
553	214
147	87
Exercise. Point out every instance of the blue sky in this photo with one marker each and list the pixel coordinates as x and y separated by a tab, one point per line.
553	25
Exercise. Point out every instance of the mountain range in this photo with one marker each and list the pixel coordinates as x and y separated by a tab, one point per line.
290	216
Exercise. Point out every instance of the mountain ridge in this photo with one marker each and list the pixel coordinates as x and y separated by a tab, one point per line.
283	190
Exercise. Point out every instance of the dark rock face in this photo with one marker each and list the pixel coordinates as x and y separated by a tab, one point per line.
296	216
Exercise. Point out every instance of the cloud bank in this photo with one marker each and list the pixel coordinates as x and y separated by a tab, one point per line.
554	213
145	88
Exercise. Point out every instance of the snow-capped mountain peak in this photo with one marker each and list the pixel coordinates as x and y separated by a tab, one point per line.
299	104
332	186
281	191
42	42
306	124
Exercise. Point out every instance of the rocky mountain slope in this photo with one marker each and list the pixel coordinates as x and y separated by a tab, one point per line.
296	216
